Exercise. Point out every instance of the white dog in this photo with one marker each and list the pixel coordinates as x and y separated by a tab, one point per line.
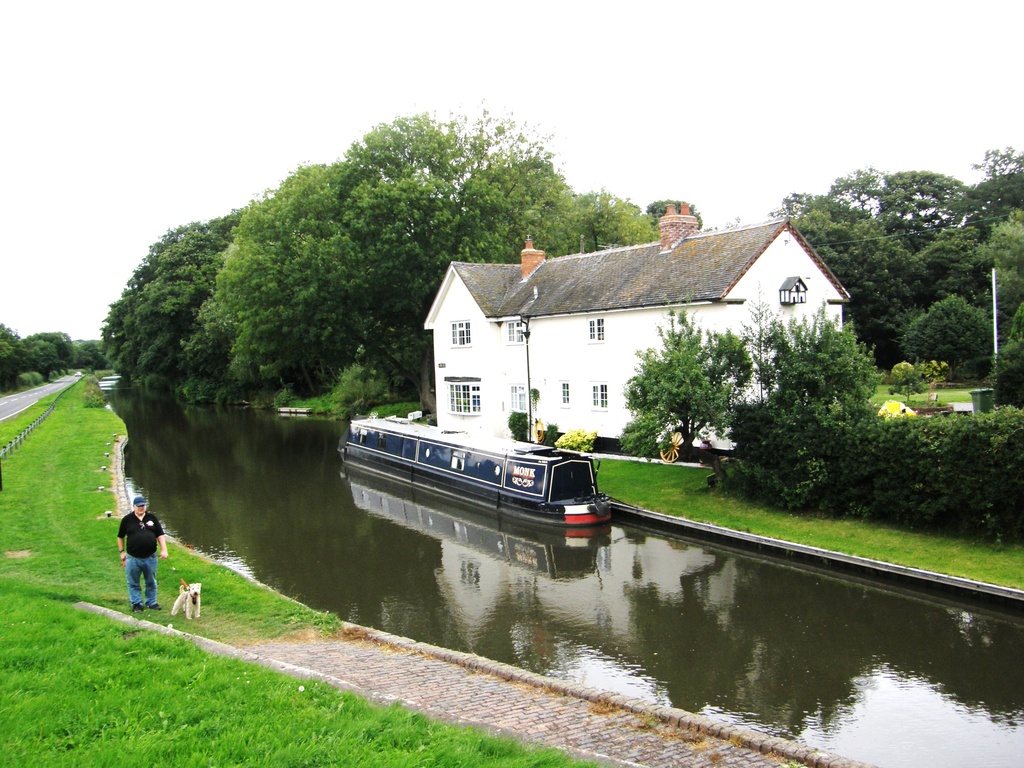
188	597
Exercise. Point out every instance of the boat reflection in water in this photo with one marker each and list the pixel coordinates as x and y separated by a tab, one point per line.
554	551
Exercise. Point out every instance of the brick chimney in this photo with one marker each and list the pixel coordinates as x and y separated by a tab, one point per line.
531	258
675	226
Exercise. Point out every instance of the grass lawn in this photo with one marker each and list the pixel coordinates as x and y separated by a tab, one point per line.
78	689
943	396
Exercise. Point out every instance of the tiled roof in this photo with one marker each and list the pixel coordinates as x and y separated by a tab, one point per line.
701	267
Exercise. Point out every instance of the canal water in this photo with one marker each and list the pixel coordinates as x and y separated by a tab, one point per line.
874	674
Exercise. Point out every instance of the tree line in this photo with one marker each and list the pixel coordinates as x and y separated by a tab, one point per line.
335	269
29	361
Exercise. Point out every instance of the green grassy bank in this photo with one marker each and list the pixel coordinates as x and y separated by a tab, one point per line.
78	689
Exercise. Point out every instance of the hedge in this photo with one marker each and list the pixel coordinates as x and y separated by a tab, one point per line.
956	473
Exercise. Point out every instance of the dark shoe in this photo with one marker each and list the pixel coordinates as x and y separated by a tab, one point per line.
137	608
155	607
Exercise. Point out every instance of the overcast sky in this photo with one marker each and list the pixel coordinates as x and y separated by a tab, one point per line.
122	120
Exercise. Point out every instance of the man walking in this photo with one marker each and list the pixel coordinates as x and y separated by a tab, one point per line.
137	539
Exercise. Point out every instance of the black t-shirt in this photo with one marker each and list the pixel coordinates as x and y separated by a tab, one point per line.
141	535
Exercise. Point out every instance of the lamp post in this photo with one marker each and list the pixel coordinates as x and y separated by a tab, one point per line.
529	399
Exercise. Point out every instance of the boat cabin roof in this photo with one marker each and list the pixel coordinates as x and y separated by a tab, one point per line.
452	437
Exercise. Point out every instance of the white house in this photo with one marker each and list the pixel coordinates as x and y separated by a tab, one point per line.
570	327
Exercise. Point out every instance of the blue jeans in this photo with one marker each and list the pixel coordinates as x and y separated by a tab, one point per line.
141	566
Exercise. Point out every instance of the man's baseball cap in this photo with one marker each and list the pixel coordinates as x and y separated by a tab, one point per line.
139	501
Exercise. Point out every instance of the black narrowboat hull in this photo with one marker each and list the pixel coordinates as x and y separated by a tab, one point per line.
518	479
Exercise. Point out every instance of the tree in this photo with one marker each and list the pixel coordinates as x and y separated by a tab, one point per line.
1000	192
595	221
917	206
1009	380
12	357
49	353
285	284
953	265
1010	365
689	385
906	380
89	355
1004	250
343	260
951	331
418	194
810	405
158	311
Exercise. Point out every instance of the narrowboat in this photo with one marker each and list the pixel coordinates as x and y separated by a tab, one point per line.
518	479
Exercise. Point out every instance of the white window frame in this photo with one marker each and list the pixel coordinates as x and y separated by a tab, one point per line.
517	398
599	391
461	333
516	329
464	399
565	394
596	325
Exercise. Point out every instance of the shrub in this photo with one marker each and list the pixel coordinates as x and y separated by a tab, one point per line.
906	380
577	440
358	389
550	435
1010	374
519	425
30	379
92	395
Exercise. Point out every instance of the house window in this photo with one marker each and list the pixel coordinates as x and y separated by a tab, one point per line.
517	398
565	394
597	329
515	331
600	396
464	398
460	334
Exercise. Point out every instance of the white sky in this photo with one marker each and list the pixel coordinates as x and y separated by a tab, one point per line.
122	120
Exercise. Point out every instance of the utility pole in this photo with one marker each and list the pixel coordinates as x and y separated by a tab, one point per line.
995	317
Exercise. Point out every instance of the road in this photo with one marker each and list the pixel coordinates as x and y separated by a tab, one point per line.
12	405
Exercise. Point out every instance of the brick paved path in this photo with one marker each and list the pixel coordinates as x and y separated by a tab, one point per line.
469	690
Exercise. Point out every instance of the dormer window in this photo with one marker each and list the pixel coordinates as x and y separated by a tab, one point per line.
793	291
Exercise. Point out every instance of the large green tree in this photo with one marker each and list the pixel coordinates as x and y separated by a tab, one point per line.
1004	250
894	241
49	353
812	387
157	313
12	357
344	261
286	284
951	331
1000	192
594	221
689	385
